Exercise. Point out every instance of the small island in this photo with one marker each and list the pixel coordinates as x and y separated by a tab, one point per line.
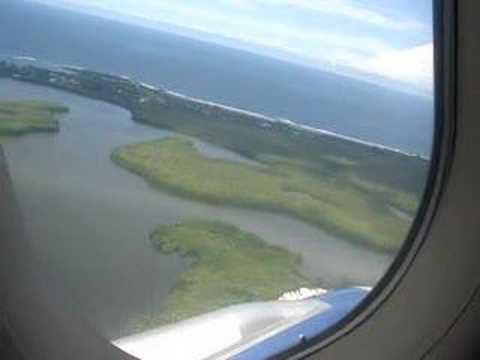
229	266
334	199
23	117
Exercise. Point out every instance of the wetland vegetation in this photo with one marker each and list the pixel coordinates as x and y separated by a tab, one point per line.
228	266
23	117
330	196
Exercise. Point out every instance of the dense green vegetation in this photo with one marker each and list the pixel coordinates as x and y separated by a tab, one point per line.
22	117
229	266
255	138
336	200
249	135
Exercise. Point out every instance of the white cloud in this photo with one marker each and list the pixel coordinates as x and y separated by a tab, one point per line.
329	49
240	4
346	8
413	66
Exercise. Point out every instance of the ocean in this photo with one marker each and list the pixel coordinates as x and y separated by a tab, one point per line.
224	75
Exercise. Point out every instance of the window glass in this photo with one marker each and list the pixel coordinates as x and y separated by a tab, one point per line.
214	170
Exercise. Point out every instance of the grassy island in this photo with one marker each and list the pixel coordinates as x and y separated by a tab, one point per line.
246	133
335	200
385	179
229	266
22	117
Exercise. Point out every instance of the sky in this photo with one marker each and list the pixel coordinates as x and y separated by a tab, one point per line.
384	41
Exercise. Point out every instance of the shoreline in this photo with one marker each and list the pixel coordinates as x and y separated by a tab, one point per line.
292	124
213	105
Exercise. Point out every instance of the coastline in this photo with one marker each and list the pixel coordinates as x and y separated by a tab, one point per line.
211	104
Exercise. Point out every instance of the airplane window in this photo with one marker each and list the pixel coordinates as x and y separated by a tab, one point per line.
215	172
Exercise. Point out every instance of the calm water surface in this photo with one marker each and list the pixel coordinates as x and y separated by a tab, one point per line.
216	73
89	220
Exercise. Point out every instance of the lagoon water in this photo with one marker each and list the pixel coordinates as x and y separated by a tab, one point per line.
89	220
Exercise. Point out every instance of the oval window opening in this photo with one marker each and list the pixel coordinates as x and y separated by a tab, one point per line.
231	175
